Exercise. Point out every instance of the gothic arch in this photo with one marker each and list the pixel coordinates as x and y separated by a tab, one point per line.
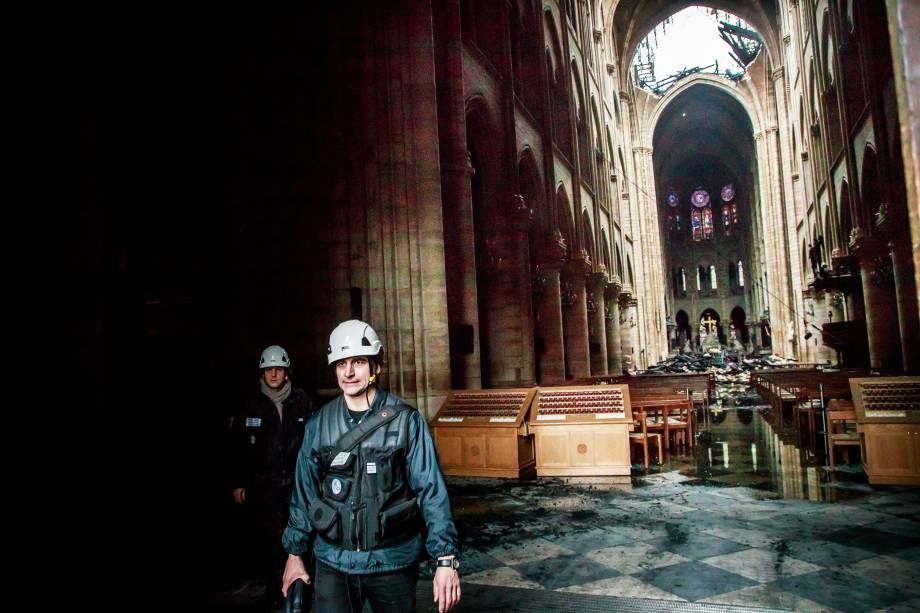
632	20
530	178
588	236
564	218
846	215
870	184
751	106
605	247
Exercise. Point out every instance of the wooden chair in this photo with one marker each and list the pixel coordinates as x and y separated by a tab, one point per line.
841	424
807	409
641	436
680	423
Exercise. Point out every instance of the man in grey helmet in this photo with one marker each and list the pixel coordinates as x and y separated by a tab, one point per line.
265	439
369	497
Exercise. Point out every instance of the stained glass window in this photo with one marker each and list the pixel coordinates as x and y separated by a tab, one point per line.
674	220
707	223
696	224
727	219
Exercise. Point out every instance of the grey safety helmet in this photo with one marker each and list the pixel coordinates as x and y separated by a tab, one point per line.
274	356
353	338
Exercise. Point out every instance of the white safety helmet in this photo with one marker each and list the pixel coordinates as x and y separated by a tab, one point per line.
274	356
353	338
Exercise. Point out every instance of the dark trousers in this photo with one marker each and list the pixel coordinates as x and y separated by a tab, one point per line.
270	508
392	592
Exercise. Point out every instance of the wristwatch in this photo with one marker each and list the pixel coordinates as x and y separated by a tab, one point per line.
450	563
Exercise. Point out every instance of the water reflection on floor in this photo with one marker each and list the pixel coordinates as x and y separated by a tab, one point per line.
739	447
740	520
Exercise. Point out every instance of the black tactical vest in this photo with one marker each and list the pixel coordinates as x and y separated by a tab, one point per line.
366	502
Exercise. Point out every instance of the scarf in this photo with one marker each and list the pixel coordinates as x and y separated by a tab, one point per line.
277	396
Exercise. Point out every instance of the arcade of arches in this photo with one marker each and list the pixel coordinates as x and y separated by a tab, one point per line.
487	184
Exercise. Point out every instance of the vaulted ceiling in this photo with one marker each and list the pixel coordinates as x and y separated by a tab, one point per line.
631	20
703	123
703	139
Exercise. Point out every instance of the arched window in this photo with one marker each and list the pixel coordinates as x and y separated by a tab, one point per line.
696	224
707	223
699	278
683	280
740	274
713	284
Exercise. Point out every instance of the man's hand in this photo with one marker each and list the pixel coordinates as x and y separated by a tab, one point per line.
446	587
239	495
293	569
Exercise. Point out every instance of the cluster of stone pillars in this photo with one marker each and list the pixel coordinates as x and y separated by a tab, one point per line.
578	323
890	301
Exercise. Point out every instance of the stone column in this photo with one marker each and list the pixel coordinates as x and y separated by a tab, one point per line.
550	346
903	25
597	335
754	336
551	355
908	320
879	297
639	359
650	277
627	346
614	353
457	203
575	317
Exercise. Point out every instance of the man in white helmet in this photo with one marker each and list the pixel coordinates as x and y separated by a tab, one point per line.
265	440
369	498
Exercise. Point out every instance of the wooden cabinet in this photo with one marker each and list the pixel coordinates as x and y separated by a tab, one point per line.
582	430
888	419
484	433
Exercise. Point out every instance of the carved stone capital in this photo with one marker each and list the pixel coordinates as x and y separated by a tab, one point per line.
597	280
579	263
861	244
552	251
518	210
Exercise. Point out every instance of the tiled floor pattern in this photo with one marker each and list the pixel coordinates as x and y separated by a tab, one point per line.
674	540
737	523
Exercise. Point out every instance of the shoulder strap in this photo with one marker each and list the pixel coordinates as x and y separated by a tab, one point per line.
382	416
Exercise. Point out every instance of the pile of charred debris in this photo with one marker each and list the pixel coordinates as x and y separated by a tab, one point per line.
732	371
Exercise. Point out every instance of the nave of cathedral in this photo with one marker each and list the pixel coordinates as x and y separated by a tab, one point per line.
512	197
743	523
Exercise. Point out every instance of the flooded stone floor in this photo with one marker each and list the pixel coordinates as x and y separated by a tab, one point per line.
738	523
